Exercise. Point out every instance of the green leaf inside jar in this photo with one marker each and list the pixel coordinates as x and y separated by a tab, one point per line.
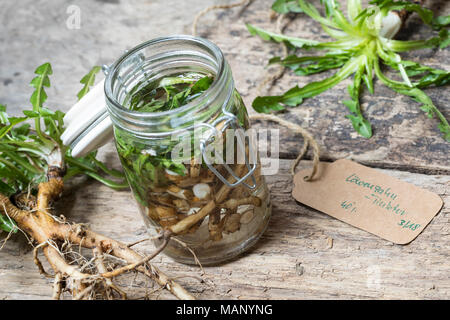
146	167
169	92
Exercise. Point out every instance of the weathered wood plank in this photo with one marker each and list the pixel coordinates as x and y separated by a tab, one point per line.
30	35
293	260
403	135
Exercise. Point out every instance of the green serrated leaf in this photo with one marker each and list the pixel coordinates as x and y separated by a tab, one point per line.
178	168
418	95
7	225
440	41
88	81
351	105
39	96
358	50
445	130
286	6
267	104
392	5
293	97
361	125
270	36
306	65
12	122
6	189
3	115
441	21
44	69
44	112
40	81
201	85
31	114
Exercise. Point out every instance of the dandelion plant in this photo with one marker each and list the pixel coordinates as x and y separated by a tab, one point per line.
27	153
363	47
34	164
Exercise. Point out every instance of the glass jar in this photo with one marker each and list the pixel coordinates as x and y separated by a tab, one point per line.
216	207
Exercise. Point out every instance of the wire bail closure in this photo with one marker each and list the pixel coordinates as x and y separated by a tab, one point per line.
230	121
97	130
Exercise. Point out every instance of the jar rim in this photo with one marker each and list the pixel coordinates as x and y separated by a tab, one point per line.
215	50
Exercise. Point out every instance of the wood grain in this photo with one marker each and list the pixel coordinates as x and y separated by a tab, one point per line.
304	253
404	138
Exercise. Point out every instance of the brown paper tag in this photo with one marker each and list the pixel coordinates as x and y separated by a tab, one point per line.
368	199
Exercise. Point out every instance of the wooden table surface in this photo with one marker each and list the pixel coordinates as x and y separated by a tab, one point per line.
304	254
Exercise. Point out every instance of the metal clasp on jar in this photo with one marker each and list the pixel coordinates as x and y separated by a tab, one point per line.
89	131
230	121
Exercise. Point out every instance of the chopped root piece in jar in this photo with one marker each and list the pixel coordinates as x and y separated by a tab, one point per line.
194	169
182	205
164	200
247	216
234	203
207	176
167	216
180	193
188	182
151	213
232	223
240	192
173	176
215	226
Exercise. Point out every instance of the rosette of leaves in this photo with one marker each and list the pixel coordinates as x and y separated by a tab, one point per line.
26	153
361	48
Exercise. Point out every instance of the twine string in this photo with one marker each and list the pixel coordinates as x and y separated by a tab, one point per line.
270	79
